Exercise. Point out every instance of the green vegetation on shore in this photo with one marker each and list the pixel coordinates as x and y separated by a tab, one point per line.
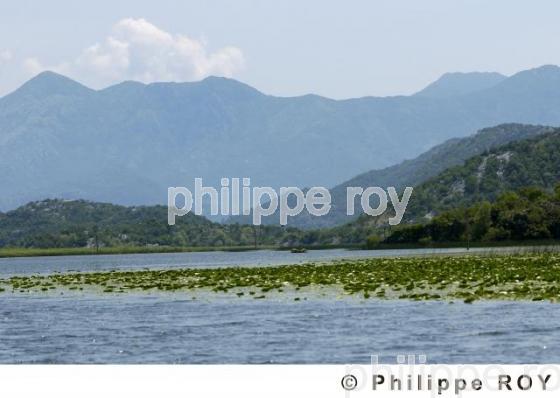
468	278
529	214
56	226
531	162
63	224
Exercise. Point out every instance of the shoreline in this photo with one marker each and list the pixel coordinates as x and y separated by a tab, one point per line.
88	251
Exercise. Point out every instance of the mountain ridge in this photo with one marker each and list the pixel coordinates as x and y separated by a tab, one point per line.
127	143
413	172
538	72
460	83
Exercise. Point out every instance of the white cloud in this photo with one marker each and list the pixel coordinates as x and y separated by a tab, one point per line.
32	66
5	56
139	50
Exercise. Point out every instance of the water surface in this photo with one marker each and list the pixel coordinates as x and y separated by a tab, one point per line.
47	265
175	329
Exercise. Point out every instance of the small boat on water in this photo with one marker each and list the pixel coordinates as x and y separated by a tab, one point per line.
299	250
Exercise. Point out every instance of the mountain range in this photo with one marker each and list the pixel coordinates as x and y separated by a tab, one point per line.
528	163
127	143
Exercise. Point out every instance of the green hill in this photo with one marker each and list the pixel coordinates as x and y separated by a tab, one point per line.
532	162
56	223
503	176
529	214
413	172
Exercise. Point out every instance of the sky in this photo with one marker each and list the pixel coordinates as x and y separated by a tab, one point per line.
338	49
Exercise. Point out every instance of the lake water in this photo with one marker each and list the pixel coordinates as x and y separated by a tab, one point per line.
48	265
173	328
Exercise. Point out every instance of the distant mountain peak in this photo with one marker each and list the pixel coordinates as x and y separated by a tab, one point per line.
459	83
213	78
545	79
221	83
50	83
124	87
545	71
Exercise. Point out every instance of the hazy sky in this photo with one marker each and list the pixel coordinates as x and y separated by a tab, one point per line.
338	49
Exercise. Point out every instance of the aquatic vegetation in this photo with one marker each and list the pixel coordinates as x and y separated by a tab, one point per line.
464	278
